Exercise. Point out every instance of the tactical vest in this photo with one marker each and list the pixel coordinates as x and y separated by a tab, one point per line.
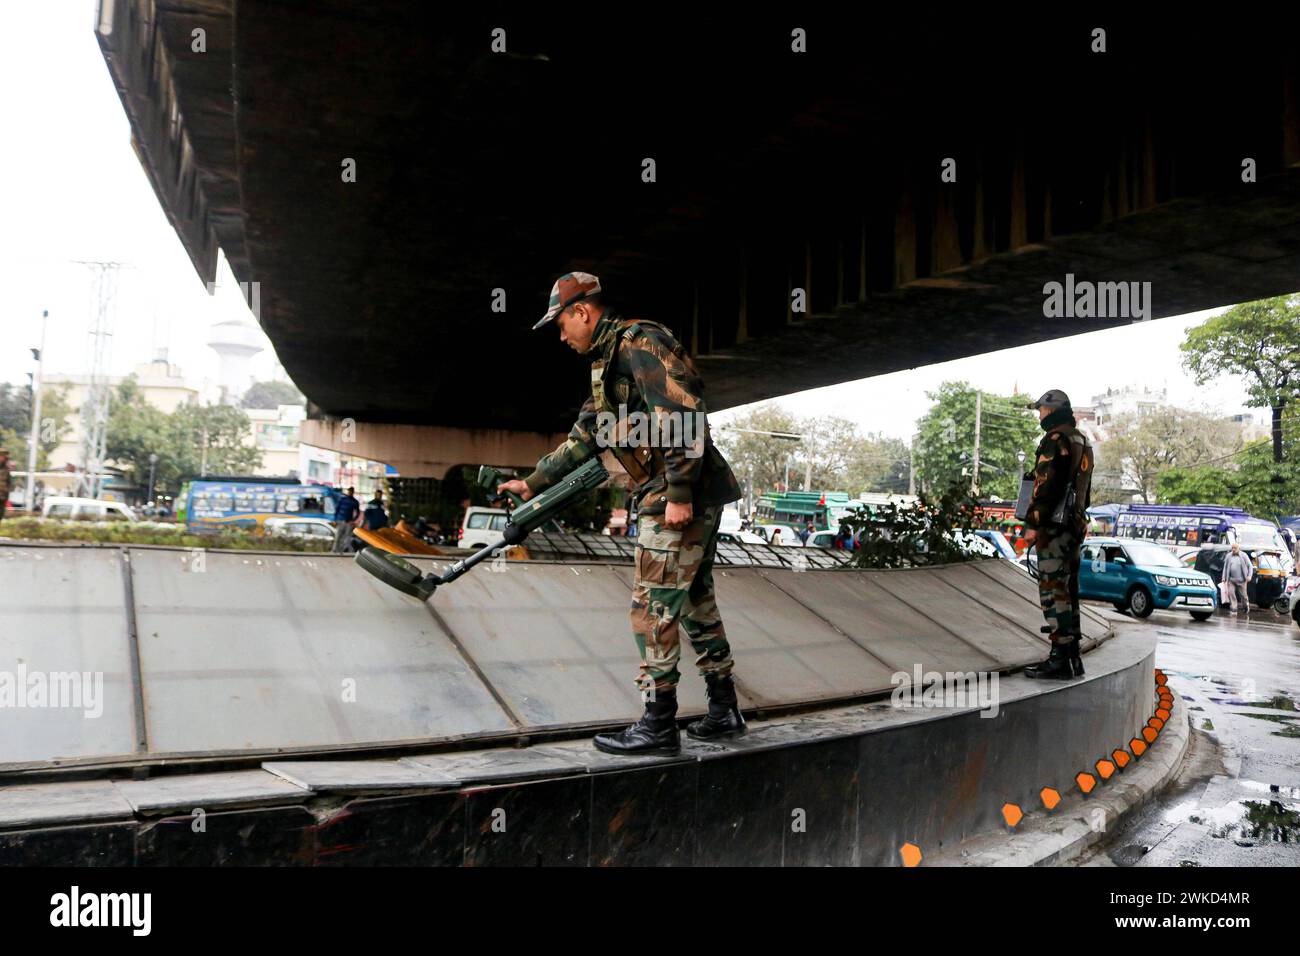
1081	459
641	462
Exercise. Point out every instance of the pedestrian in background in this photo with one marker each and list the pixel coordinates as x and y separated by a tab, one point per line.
1237	572
346	512
376	517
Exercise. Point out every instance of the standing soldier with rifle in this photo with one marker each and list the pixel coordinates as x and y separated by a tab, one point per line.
1057	520
682	483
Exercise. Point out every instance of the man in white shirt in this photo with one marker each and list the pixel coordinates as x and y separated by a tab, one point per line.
1237	572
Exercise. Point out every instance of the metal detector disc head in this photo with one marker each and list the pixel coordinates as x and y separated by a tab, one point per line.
393	571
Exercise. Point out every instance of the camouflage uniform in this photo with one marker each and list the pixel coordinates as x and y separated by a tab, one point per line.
1063	455
639	369
6	480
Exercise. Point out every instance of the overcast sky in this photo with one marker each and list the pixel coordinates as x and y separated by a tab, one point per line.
72	189
1144	353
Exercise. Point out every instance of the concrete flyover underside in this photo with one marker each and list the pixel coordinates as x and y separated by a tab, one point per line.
482	174
317	717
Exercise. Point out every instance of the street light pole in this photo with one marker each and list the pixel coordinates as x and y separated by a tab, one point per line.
153	461
39	355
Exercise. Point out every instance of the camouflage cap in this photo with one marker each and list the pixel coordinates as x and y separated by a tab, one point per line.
568	289
1053	398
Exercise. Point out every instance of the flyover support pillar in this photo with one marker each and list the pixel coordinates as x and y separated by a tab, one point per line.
429	451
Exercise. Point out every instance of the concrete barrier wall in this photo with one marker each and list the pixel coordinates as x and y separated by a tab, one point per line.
862	781
207	653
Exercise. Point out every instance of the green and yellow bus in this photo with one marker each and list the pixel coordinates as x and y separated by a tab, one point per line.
796	508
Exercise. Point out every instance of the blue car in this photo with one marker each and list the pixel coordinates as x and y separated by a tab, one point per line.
999	542
1139	576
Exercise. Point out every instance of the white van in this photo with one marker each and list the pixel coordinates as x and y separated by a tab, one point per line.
93	509
730	520
481	527
314	529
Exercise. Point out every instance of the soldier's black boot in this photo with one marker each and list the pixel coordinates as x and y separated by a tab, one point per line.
654	733
1061	663
1076	659
723	719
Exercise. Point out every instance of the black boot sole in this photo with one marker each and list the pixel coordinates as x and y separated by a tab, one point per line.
737	732
660	750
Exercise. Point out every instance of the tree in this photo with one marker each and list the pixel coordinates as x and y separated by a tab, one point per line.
1250	479
926	532
192	440
272	395
832	453
15	409
1143	446
16	422
1258	340
760	459
211	440
1196	486
946	444
137	430
879	464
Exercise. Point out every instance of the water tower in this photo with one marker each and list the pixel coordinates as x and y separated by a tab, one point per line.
236	342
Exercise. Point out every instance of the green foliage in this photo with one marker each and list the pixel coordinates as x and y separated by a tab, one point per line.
16	422
1249	479
221	430
15	410
760	459
947	440
192	440
136	430
1193	486
272	395
127	532
1259	485
54	427
893	536
16	445
1257	340
1147	445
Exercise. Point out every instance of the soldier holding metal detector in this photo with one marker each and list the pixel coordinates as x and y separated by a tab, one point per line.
1053	504
642	379
646	409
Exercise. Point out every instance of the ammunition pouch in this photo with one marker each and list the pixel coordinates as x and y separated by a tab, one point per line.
641	462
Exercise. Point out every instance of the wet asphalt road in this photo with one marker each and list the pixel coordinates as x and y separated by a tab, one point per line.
1236	800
